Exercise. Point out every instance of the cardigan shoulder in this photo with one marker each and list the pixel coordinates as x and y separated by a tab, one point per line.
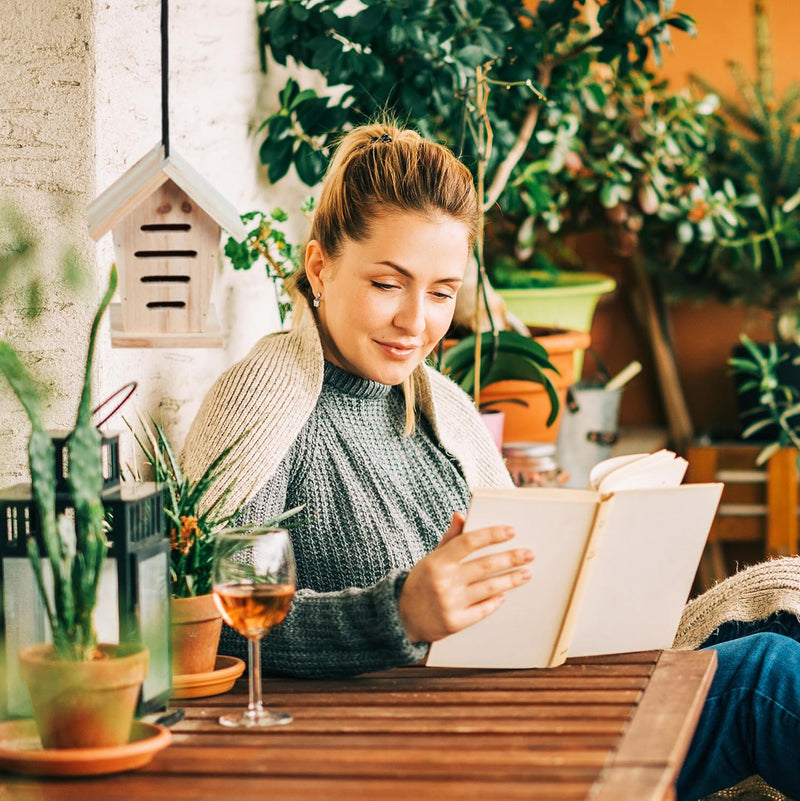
258	405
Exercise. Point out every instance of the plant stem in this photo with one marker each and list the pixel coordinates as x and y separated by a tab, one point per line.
506	167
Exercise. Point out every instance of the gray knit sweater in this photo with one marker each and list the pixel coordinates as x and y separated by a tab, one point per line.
376	502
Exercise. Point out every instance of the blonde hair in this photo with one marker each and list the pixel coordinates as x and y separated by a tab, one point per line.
380	168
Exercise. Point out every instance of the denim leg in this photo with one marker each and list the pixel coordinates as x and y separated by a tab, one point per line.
780	622
750	722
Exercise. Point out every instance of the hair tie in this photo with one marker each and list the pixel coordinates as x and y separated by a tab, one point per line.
382	138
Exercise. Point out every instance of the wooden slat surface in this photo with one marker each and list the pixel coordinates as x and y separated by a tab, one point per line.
603	728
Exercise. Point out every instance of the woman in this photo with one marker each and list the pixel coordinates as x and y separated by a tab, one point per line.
342	415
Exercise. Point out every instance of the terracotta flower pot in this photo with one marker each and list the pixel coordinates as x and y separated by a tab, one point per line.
84	704
527	423
196	626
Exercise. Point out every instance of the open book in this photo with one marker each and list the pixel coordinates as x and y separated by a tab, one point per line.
613	566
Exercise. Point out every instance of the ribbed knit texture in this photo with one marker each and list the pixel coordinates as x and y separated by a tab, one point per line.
751	594
376	501
366	515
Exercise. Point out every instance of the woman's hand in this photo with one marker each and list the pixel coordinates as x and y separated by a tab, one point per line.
446	592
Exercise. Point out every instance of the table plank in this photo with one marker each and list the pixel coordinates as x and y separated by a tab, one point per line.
178	788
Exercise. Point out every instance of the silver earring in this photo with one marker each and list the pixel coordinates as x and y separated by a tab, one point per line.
315	301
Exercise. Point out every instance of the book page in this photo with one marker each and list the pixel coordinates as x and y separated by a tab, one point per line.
554	524
602	469
643	571
660	469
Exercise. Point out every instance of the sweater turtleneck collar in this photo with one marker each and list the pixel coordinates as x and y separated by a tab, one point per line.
354	385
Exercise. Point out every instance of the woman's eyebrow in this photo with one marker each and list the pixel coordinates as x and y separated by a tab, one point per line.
407	274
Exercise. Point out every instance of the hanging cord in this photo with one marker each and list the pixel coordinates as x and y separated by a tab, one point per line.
130	387
165	77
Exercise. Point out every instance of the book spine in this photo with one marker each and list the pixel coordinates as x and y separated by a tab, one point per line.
570	618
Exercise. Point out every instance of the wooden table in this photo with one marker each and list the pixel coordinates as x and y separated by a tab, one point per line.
606	728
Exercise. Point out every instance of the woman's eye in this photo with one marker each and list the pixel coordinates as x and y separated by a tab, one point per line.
443	295
379	285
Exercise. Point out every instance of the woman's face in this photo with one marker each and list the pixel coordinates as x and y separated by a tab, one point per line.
387	301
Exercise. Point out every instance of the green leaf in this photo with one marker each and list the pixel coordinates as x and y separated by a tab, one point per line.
310	164
683	22
472	55
299	12
497	19
368	20
277	155
314	116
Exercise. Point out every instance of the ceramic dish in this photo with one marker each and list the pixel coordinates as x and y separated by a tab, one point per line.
21	752
198	685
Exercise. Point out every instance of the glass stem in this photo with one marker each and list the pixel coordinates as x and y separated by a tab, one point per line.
254	708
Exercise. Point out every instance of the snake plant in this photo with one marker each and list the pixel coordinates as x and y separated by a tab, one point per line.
74	545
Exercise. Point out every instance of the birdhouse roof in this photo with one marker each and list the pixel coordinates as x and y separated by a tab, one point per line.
144	178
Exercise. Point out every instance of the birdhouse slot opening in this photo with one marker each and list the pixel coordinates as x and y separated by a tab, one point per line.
166	304
165	279
165	227
165	254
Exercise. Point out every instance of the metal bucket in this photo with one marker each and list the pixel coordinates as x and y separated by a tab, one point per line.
588	430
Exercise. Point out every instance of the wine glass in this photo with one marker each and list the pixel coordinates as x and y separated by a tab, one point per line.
253	585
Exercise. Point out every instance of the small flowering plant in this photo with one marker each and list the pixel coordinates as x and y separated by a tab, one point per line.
191	524
190	528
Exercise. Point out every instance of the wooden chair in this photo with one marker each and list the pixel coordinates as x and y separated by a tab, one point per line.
758	504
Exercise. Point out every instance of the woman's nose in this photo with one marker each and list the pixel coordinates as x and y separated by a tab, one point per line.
411	315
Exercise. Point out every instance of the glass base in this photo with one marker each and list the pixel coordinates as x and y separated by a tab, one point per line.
255	719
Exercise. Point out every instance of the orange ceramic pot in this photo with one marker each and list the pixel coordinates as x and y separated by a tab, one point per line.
528	423
196	626
84	704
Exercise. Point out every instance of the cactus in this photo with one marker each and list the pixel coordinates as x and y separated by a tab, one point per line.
75	549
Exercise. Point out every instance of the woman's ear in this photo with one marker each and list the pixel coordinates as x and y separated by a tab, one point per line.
315	263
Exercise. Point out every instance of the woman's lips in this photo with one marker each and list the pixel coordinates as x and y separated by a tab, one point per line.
398	350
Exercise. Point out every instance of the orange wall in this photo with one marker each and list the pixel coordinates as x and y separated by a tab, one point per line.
725	30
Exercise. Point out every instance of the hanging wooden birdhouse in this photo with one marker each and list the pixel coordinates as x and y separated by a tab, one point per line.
166	221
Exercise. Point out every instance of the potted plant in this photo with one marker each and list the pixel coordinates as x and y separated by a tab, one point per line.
84	693
741	243
195	619
519	379
775	419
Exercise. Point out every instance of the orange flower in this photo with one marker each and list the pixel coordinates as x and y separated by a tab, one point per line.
184	542
698	211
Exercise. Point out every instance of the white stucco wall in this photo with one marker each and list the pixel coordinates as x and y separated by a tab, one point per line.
46	132
80	89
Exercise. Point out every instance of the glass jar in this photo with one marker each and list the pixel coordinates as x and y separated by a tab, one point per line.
533	464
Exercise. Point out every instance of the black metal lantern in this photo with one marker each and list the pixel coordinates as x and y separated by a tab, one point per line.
133	593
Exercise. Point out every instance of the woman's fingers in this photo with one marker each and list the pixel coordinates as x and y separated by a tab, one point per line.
497	585
472	614
483	566
468	542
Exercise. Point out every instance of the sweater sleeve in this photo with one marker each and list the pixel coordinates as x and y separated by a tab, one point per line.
333	633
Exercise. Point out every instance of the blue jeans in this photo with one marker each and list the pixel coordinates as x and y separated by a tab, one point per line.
751	718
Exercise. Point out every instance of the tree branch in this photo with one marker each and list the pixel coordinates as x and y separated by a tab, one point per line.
507	165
